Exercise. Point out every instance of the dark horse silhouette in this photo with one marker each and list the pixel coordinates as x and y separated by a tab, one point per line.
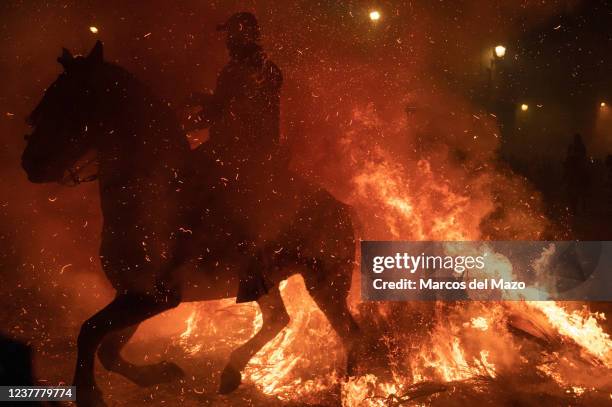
165	239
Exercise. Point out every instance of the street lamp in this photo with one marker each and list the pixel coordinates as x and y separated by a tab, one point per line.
495	71
374	15
500	51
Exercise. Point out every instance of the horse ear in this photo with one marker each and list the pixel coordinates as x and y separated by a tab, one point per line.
65	59
96	55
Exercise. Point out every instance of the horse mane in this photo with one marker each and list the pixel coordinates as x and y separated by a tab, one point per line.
137	92
141	144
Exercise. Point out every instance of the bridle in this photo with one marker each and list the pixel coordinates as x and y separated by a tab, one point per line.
73	177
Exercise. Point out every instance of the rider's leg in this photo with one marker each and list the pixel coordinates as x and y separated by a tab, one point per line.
252	281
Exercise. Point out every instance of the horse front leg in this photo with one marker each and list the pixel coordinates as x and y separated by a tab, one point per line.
124	311
275	318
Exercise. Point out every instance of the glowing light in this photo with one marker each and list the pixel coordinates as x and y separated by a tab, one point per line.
603	104
524	107
374	15
500	51
93	29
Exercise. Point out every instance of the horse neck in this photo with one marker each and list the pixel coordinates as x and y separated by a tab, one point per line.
144	154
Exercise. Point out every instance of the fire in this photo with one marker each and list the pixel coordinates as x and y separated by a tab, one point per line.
480	323
468	341
282	367
582	329
285	367
431	347
189	333
369	390
450	364
402	204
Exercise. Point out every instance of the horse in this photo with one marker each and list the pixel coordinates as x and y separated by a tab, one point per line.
163	242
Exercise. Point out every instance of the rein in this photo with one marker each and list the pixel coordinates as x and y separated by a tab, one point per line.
73	177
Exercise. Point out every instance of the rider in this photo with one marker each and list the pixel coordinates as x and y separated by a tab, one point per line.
243	115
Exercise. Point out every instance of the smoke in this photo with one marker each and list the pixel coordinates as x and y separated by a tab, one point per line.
375	112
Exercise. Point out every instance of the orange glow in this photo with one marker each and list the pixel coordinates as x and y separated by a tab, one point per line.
405	200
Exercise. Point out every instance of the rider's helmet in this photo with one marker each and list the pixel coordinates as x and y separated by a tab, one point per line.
241	28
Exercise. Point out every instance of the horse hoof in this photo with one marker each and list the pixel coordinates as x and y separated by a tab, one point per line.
89	397
230	380
162	372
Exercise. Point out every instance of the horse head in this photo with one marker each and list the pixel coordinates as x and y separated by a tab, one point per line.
64	122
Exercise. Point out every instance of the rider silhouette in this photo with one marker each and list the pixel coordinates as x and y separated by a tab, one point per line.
243	115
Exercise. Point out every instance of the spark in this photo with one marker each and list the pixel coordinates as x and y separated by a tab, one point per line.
374	15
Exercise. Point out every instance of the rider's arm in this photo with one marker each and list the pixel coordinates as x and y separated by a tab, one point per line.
213	105
274	76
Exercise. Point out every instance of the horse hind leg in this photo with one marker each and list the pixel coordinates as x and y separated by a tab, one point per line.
275	319
124	311
110	357
329	288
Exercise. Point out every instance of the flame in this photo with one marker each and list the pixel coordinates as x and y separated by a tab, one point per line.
480	323
189	334
305	361
413	199
584	329
281	368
